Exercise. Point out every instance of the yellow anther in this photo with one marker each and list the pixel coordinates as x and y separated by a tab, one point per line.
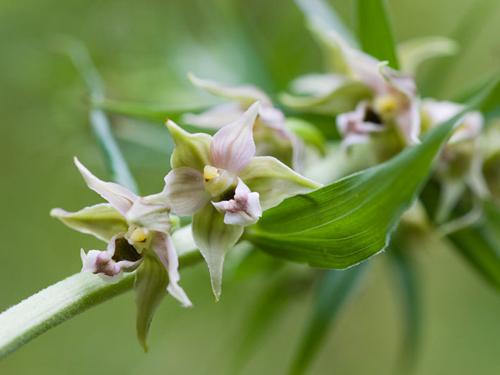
209	173
139	235
386	104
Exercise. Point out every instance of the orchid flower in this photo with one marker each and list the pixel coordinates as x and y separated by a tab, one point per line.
389	98
436	112
132	226
221	182
459	165
271	133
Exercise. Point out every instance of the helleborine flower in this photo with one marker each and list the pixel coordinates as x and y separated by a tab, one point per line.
436	112
272	137
221	181
389	96
133	226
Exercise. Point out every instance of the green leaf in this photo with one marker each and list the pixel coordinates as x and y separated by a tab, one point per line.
100	123
375	31
407	285
308	133
143	111
150	286
320	14
59	302
479	246
352	219
333	292
270	304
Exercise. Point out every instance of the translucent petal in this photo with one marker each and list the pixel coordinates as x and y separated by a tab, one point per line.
233	146
185	191
165	251
118	196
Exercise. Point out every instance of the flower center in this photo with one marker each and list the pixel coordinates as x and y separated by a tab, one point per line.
386	105
217	181
139	235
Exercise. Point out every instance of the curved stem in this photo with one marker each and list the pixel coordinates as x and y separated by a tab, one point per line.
65	299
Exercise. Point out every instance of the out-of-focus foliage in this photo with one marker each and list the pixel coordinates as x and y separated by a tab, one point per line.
143	52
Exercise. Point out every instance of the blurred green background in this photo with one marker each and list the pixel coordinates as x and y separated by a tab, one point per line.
143	50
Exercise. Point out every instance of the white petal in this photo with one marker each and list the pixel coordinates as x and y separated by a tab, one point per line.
233	146
165	250
118	196
215	117
185	191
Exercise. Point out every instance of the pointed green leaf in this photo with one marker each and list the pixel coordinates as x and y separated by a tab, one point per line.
334	289
352	219
375	31
150	288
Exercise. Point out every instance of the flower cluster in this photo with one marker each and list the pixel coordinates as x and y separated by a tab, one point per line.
218	180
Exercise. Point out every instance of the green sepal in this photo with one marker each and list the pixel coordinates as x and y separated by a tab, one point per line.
274	181
191	150
150	286
342	99
100	220
214	238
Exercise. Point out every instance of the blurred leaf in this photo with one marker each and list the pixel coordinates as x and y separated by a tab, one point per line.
100	124
320	14
59	302
352	219
334	289
467	34
414	52
144	111
269	305
407	283
308	133
375	31
481	249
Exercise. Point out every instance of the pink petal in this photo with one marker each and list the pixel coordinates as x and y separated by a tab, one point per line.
233	146
243	209
118	196
165	250
185	191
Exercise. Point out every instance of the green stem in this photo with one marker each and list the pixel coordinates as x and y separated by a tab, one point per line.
69	297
